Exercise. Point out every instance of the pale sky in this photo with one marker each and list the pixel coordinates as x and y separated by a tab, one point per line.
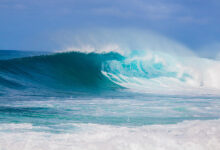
32	24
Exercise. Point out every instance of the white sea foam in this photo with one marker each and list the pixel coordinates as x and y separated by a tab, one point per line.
157	72
188	135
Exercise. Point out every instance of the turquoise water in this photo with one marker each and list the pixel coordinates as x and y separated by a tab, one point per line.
133	111
133	99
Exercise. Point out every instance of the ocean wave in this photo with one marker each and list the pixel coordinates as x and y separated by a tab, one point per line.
139	71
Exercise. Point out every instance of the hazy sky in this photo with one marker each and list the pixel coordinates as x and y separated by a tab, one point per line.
32	24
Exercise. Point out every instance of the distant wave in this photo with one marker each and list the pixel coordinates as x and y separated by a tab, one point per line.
138	71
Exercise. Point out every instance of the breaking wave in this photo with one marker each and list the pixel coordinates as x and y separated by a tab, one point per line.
138	71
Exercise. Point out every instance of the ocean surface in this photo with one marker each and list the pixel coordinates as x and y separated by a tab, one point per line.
112	101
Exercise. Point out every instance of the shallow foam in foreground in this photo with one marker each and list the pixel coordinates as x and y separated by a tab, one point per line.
190	135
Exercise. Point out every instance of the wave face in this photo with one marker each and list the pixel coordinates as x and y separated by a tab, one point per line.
139	71
63	70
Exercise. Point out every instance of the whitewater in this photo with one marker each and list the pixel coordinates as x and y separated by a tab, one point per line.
138	100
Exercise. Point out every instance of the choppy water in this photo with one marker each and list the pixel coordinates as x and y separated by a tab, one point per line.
108	101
